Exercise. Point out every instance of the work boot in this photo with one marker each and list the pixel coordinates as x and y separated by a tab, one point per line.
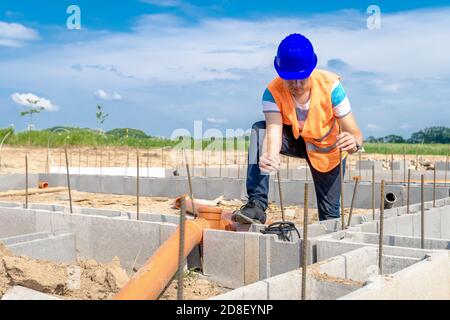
251	212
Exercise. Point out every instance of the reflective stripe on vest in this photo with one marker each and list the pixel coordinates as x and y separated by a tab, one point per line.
312	147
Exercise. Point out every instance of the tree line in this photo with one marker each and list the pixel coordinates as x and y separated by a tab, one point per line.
428	135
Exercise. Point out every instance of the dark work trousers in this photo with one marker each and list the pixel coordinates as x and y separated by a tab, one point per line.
327	185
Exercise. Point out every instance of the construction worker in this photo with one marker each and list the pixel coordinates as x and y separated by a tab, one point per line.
305	108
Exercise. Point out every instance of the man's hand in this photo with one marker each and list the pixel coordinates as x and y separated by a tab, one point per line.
269	164
347	142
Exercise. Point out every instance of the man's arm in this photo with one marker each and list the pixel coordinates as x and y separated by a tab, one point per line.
350	136
270	158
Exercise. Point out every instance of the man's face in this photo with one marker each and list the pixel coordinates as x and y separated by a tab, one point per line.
297	86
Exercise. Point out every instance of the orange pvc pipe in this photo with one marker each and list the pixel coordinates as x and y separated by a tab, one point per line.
43	185
153	277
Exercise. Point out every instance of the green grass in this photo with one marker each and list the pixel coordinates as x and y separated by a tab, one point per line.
401	148
63	136
58	137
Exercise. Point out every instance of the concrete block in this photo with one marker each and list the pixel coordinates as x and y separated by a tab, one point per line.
17	182
24	238
367	165
127	239
60	248
393	264
445	222
225	264
22	293
16	221
10	204
251	258
112	184
442	165
427	279
88	183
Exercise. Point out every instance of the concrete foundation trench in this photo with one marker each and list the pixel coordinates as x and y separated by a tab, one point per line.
46	252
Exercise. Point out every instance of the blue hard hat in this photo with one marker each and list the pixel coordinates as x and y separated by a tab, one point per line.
295	58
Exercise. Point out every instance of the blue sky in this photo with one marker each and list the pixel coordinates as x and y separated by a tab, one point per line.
159	65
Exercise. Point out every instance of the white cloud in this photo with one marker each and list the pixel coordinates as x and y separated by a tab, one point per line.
27	99
167	61
107	96
15	35
373	126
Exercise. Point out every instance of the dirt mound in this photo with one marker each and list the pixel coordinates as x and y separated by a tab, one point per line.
195	287
84	279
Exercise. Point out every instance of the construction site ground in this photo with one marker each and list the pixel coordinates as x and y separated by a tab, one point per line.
12	159
160	205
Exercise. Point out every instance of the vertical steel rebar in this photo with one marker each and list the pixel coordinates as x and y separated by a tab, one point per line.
404	164
281	195
341	181
191	192
68	180
305	241
381	230
359	166
181	259
26	181
446	168
355	190
392	168
422	213
408	192
137	186
79	161
434	186
288	167
373	191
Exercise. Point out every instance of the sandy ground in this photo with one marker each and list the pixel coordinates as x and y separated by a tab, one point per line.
86	279
12	159
158	204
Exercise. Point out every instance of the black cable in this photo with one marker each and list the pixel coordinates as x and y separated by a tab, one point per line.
283	229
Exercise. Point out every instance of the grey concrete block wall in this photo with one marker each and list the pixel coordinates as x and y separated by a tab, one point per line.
24	238
224	263
17	181
59	248
442	165
211	188
15	221
427	279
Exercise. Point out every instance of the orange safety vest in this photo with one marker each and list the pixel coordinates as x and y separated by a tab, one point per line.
321	127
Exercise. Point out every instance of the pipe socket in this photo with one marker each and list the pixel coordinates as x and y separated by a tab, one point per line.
389	200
